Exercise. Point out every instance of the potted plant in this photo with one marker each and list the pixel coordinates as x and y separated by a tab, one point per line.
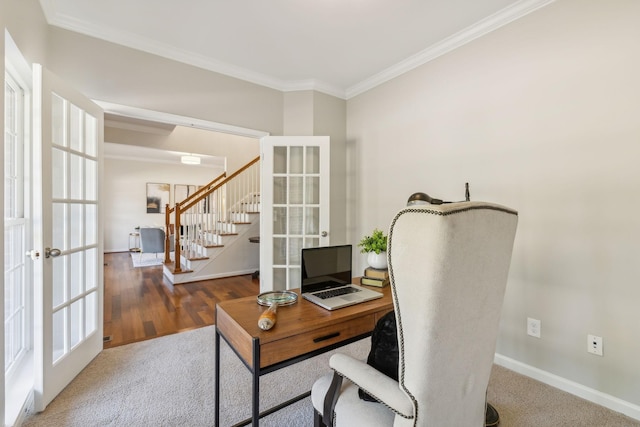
376	246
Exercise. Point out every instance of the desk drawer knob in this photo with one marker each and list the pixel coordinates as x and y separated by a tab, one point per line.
327	337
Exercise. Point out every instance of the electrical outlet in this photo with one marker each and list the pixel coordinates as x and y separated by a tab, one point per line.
594	344
533	327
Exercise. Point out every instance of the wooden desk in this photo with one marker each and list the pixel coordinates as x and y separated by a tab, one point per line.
303	330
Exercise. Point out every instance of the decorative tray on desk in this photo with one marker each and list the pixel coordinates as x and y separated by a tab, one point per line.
277	297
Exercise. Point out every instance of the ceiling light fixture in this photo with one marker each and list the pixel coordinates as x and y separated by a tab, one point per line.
190	160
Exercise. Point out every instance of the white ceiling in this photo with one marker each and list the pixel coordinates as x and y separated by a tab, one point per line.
340	47
153	155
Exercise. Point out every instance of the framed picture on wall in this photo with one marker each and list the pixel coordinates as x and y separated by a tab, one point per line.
182	191
157	197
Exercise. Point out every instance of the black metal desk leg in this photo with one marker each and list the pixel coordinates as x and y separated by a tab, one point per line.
217	387
256	382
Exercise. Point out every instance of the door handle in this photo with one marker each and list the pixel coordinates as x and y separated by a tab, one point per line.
52	253
324	234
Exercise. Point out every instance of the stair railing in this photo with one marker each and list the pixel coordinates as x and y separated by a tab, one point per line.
201	220
172	230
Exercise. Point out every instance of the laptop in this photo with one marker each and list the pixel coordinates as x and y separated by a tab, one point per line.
326	278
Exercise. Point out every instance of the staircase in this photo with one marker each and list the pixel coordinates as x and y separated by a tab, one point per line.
212	227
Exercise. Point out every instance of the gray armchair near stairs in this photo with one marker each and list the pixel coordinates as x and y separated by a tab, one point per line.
152	240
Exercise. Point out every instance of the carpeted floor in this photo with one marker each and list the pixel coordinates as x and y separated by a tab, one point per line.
168	381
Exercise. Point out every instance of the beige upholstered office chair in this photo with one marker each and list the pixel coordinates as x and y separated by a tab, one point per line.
448	266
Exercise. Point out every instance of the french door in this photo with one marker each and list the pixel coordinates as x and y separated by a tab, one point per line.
68	279
294	211
18	308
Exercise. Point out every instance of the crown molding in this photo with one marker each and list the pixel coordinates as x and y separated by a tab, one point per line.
165	50
479	29
314	85
485	26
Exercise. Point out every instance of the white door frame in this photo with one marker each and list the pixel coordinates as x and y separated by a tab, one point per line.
13	404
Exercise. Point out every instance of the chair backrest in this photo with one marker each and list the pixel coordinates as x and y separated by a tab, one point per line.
152	239
448	266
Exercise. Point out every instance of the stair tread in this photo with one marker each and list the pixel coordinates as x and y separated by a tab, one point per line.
202	258
171	266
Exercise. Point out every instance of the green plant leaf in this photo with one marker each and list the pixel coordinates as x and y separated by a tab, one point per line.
376	242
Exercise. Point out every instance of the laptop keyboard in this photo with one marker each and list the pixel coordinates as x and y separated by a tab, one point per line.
336	292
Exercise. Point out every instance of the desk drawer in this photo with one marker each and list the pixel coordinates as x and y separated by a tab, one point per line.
281	350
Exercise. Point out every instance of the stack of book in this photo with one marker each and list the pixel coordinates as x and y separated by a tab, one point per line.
375	277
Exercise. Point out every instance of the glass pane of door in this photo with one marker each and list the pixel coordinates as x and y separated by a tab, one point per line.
15	307
74	207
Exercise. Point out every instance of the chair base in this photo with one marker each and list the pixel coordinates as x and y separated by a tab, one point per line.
492	418
317	419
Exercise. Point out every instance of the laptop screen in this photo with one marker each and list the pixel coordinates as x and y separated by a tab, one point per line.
325	267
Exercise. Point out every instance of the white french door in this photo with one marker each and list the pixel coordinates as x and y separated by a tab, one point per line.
294	211
68	279
18	307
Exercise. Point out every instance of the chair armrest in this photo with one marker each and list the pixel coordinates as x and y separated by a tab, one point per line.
384	389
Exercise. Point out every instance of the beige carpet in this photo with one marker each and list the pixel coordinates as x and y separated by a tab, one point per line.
168	381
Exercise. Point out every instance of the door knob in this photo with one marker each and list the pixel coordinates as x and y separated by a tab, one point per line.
324	234
51	253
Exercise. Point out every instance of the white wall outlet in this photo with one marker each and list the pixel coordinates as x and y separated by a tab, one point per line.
594	344
533	327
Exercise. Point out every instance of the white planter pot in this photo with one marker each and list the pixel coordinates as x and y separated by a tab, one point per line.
377	260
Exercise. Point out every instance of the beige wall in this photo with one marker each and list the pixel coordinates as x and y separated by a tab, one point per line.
542	116
314	113
298	113
26	23
330	119
108	72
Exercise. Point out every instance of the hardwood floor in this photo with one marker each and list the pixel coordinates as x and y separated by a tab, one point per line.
139	303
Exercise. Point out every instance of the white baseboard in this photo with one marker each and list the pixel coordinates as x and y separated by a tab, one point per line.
225	274
106	251
611	402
